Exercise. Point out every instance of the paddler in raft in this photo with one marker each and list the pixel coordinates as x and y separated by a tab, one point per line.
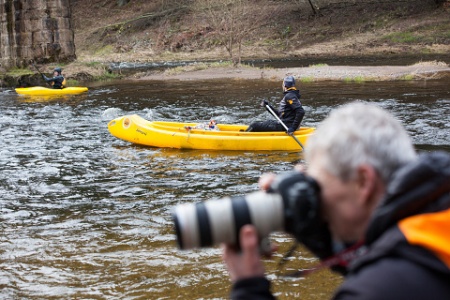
58	81
290	111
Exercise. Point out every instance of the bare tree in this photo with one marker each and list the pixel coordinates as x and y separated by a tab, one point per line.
314	7
233	21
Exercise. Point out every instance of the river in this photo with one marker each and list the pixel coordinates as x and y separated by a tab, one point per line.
84	215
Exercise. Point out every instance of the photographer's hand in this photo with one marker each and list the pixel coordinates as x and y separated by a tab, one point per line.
266	180
247	262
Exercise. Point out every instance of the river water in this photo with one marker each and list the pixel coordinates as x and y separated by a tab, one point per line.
84	215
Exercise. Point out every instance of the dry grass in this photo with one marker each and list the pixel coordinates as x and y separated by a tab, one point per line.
162	30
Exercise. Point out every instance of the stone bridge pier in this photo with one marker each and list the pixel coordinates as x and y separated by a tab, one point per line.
38	30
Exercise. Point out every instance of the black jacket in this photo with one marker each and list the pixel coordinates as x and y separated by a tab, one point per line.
290	110
57	81
408	241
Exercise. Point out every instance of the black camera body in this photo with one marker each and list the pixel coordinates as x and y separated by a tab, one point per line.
292	205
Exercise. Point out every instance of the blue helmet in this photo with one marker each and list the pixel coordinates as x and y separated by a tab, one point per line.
58	70
289	81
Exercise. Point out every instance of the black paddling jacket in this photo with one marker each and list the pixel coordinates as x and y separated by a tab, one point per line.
408	241
57	81
290	110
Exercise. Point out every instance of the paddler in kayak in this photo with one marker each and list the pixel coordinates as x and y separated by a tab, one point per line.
290	111
58	81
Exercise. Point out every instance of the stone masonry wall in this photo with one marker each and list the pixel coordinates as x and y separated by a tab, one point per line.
38	30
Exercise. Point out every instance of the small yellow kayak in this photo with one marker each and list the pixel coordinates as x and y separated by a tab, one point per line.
43	91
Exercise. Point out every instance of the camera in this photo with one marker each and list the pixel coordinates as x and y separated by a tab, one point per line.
291	205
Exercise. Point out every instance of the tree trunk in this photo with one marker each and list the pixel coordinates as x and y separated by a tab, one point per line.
314	7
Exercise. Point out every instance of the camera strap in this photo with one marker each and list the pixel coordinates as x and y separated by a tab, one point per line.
343	259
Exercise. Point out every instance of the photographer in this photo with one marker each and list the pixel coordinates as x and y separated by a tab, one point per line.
375	191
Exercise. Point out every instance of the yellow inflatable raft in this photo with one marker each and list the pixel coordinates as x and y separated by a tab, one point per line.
134	129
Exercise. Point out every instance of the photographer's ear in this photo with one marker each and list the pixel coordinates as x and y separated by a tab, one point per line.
370	186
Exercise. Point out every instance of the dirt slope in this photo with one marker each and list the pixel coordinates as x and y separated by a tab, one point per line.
152	30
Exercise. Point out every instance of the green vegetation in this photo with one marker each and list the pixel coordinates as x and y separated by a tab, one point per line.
424	35
72	82
19	72
108	49
403	37
357	79
318	65
107	76
306	79
407	77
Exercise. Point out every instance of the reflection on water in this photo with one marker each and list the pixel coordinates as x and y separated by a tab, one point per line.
69	99
84	215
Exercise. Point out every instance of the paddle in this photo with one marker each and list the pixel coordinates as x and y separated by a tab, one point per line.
32	63
285	127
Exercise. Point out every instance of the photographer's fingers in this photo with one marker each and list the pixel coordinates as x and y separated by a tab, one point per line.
251	252
266	180
300	168
246	263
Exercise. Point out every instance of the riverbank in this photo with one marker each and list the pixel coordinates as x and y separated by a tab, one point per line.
146	32
422	70
78	73
143	32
